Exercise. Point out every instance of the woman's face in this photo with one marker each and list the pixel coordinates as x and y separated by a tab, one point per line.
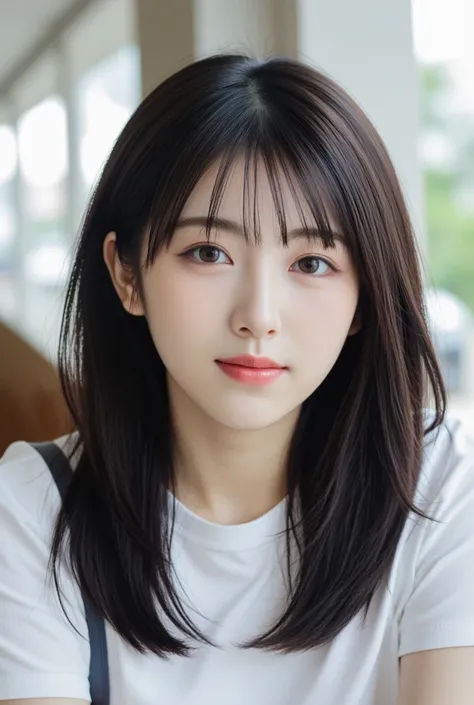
209	302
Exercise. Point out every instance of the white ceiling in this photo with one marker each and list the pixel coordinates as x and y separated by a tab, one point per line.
22	24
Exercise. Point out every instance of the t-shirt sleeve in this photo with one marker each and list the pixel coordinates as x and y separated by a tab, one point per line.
43	652
439	612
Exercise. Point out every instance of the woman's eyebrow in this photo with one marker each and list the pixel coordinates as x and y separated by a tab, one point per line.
315	234
210	224
231	226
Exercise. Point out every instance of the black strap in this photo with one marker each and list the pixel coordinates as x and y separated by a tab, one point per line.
99	667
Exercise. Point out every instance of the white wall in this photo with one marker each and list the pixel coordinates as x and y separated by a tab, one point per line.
367	46
234	25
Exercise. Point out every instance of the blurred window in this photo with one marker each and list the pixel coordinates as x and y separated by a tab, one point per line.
43	162
105	97
8	223
102	101
57	128
445	51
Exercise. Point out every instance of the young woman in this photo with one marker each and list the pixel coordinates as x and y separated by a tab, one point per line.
263	510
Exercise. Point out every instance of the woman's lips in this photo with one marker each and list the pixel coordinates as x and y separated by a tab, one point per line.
251	370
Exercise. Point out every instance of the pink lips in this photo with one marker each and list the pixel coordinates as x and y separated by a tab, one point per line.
248	369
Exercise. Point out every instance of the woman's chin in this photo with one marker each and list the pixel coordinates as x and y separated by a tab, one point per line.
258	417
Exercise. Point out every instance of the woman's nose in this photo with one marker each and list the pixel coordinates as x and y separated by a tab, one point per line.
257	310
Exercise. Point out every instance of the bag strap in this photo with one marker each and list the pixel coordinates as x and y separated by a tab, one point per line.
99	667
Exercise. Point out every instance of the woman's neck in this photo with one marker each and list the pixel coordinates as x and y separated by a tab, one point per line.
224	475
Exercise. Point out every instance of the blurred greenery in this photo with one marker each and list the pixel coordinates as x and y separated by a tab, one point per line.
450	219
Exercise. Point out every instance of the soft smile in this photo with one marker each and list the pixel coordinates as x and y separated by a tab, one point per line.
248	369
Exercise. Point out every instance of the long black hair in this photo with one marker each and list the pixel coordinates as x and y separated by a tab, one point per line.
356	452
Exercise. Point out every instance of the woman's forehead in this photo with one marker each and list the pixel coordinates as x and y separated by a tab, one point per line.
248	193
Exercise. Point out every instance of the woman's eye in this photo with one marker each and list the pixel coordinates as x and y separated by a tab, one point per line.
208	254
312	265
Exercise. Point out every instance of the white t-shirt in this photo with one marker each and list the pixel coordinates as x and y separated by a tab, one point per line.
232	576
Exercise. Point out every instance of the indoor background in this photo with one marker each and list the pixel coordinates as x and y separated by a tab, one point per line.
72	72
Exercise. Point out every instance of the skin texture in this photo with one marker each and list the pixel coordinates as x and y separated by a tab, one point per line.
262	300
438	677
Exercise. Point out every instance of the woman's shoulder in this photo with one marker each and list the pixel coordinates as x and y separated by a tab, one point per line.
432	580
44	649
26	484
447	470
23	455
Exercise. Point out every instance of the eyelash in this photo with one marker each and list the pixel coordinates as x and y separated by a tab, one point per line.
188	254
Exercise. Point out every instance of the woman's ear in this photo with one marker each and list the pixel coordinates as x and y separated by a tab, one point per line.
122	277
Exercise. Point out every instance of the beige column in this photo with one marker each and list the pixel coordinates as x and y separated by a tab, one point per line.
165	32
256	27
367	46
173	33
